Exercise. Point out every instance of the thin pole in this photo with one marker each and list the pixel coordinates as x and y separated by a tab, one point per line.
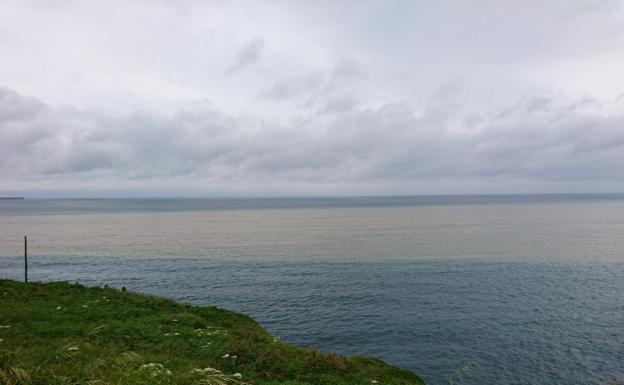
25	259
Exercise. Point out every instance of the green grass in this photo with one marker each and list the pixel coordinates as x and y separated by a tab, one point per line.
61	333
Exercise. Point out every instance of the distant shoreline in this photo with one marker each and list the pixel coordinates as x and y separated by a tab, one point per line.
12	198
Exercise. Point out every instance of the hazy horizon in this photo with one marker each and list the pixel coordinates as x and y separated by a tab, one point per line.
140	195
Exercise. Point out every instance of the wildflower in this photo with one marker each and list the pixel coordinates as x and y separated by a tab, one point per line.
373	381
1	340
5	326
73	349
175	320
205	371
176	334
226	355
85	306
156	369
59	307
234	357
167	334
237	375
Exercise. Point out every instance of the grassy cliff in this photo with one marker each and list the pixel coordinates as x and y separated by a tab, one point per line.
60	333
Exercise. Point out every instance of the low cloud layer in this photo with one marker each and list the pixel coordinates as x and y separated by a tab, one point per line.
278	98
534	143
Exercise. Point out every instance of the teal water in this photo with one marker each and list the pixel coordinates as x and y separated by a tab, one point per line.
531	288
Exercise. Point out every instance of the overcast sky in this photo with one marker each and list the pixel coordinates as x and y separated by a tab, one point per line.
295	98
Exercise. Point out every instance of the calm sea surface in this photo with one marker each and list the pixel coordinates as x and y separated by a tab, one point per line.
531	288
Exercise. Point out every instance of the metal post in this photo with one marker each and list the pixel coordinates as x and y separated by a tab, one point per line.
25	259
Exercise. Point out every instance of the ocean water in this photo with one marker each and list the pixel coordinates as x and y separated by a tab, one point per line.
531	288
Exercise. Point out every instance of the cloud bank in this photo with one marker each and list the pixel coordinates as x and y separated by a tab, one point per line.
534	142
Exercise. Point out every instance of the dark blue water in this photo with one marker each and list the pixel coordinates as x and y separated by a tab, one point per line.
537	297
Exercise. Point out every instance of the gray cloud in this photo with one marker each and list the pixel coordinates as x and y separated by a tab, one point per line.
293	87
338	90
342	103
392	145
15	107
248	55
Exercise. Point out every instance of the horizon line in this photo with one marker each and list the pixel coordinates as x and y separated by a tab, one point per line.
311	196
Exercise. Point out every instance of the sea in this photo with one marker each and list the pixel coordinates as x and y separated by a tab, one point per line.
524	289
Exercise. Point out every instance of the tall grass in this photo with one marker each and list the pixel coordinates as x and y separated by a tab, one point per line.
64	334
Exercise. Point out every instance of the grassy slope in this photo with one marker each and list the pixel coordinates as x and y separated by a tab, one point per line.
59	333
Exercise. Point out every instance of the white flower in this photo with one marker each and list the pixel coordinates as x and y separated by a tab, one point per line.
373	381
59	307
5	326
152	365
1	340
156	369
72	348
234	357
206	371
176	334
237	375
226	355
85	306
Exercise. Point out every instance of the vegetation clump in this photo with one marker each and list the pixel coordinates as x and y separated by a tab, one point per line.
61	333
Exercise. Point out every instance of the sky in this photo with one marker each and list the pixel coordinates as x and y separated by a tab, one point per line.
290	98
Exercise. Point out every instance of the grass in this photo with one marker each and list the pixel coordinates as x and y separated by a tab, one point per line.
61	333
